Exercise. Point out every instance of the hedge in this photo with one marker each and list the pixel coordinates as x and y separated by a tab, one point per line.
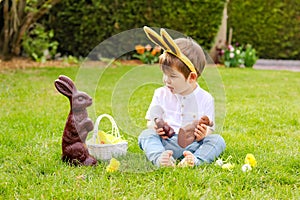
272	27
80	25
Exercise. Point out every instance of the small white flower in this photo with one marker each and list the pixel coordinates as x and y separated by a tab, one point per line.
246	168
238	51
231	55
219	162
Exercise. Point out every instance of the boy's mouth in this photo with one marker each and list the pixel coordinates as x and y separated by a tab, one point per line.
171	88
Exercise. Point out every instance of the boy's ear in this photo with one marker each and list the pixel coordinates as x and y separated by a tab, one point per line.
193	76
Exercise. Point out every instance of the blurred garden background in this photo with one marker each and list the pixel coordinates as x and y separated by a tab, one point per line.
56	29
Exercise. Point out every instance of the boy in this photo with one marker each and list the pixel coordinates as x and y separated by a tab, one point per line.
179	103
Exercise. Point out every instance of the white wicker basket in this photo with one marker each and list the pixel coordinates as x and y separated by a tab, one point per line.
106	151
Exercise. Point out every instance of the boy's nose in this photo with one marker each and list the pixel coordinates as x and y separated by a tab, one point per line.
166	79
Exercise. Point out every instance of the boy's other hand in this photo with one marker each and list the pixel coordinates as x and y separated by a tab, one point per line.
161	132
200	132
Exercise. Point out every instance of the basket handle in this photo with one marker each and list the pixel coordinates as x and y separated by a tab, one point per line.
114	128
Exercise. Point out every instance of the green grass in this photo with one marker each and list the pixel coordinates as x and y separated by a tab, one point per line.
262	117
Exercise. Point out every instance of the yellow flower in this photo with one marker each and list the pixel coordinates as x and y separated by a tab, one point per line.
250	159
113	165
140	49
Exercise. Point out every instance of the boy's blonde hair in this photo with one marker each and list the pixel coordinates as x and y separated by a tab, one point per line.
192	50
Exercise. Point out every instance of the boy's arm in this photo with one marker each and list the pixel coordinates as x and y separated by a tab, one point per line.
210	112
150	124
204	130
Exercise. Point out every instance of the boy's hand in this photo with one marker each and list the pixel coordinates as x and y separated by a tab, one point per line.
163	129
161	132
200	132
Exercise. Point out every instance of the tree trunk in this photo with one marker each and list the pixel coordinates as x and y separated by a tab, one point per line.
220	40
17	22
31	18
5	50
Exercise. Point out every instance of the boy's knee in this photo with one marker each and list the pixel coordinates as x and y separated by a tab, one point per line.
146	134
218	140
148	137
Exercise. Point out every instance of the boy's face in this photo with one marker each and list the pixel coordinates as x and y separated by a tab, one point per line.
177	83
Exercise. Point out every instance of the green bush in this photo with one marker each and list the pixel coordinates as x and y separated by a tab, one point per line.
39	45
233	56
81	25
250	56
238	55
272	27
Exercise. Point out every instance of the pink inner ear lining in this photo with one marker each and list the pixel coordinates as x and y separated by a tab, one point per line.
67	81
63	88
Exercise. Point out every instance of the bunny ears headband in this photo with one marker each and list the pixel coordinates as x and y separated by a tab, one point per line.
165	41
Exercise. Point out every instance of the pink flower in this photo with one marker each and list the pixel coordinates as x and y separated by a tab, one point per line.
230	47
221	52
148	47
157	48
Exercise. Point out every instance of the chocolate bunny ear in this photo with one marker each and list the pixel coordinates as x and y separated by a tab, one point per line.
65	85
165	41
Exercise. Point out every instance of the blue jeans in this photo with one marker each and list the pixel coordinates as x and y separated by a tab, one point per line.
206	150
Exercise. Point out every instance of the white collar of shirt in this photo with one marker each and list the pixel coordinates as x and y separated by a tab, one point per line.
188	96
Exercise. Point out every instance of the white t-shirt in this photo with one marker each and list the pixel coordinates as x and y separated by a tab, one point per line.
178	110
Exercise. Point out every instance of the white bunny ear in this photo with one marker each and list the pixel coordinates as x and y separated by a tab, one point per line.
155	38
172	46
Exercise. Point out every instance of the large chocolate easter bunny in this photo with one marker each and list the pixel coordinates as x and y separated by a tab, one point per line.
78	125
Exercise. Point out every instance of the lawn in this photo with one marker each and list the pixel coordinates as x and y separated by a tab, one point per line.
262	118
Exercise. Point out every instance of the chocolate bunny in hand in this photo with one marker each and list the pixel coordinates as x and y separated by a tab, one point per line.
160	123
156	113
186	134
78	125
